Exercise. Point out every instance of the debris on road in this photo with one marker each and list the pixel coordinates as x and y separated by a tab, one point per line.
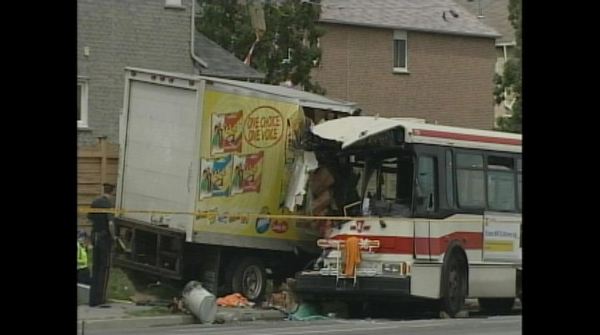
307	312
234	300
283	299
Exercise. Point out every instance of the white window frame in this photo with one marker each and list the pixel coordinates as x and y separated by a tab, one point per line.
83	122
175	4
400	35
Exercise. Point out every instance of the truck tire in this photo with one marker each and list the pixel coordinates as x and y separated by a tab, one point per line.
250	279
454	283
496	305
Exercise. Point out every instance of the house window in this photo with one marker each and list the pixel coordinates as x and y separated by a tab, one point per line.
400	51
82	103
174	4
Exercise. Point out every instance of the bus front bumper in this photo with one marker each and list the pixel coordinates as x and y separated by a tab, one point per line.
316	286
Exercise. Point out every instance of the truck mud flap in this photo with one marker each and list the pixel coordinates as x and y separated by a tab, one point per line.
149	248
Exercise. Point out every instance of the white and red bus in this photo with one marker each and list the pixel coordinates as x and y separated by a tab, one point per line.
436	211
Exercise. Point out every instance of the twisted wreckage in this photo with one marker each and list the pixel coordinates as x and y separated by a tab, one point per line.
381	207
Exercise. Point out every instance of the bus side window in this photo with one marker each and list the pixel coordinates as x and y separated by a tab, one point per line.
449	179
426	199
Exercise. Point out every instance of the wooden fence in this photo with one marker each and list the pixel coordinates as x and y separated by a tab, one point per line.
96	165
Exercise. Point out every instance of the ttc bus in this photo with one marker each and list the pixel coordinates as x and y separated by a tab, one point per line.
431	212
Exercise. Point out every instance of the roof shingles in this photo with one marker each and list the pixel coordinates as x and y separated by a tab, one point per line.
418	15
495	14
220	62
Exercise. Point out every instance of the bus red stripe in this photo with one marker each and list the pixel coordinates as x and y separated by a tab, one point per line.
466	137
437	246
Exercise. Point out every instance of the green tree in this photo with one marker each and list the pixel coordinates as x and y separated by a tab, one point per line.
510	81
287	50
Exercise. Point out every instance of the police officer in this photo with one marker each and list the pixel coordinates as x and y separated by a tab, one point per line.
102	240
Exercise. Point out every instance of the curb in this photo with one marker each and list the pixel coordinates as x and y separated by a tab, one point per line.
229	316
175	320
139	322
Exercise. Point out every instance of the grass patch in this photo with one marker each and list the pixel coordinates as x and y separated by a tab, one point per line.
139	287
120	285
164	291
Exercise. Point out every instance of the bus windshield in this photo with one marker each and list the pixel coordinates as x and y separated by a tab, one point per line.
385	185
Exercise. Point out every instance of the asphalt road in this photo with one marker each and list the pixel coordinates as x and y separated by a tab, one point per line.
486	325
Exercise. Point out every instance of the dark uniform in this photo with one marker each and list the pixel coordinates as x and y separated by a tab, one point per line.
102	242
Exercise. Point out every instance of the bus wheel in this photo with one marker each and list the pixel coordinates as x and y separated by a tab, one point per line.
496	305
250	278
454	284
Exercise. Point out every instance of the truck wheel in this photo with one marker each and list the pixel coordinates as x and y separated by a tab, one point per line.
454	284
250	278
496	305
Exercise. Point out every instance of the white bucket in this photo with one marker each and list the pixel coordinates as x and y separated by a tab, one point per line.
200	302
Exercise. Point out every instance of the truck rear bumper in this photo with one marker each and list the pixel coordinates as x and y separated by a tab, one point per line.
317	286
149	248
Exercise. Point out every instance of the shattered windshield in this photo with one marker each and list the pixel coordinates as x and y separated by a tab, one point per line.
385	186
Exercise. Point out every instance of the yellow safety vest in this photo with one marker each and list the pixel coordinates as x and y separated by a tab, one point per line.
82	259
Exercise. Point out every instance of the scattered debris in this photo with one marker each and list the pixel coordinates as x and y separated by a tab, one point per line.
284	298
234	300
307	312
178	306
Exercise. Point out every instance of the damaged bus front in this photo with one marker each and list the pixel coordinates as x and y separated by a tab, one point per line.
421	218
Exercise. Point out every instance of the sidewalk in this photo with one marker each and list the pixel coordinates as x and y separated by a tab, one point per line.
125	315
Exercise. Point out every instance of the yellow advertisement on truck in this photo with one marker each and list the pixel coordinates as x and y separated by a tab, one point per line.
208	170
248	147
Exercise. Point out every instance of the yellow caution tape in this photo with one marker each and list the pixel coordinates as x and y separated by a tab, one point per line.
210	214
86	210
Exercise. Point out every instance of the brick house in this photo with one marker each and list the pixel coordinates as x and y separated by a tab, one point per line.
494	13
114	34
156	34
430	59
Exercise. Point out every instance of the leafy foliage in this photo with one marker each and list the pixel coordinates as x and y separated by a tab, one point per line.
510	81
287	50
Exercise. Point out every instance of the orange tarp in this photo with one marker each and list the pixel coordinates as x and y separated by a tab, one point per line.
233	300
352	258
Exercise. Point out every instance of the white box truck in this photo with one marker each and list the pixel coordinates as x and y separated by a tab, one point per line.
199	159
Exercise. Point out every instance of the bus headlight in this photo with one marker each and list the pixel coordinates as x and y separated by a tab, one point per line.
391	268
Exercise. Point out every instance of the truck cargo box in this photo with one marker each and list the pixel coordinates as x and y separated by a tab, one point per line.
195	144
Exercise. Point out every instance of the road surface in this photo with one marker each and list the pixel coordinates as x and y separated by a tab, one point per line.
480	325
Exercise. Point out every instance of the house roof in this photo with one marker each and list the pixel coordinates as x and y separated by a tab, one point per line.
421	15
220	62
495	14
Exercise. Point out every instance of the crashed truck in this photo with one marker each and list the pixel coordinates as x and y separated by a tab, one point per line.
200	160
427	212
